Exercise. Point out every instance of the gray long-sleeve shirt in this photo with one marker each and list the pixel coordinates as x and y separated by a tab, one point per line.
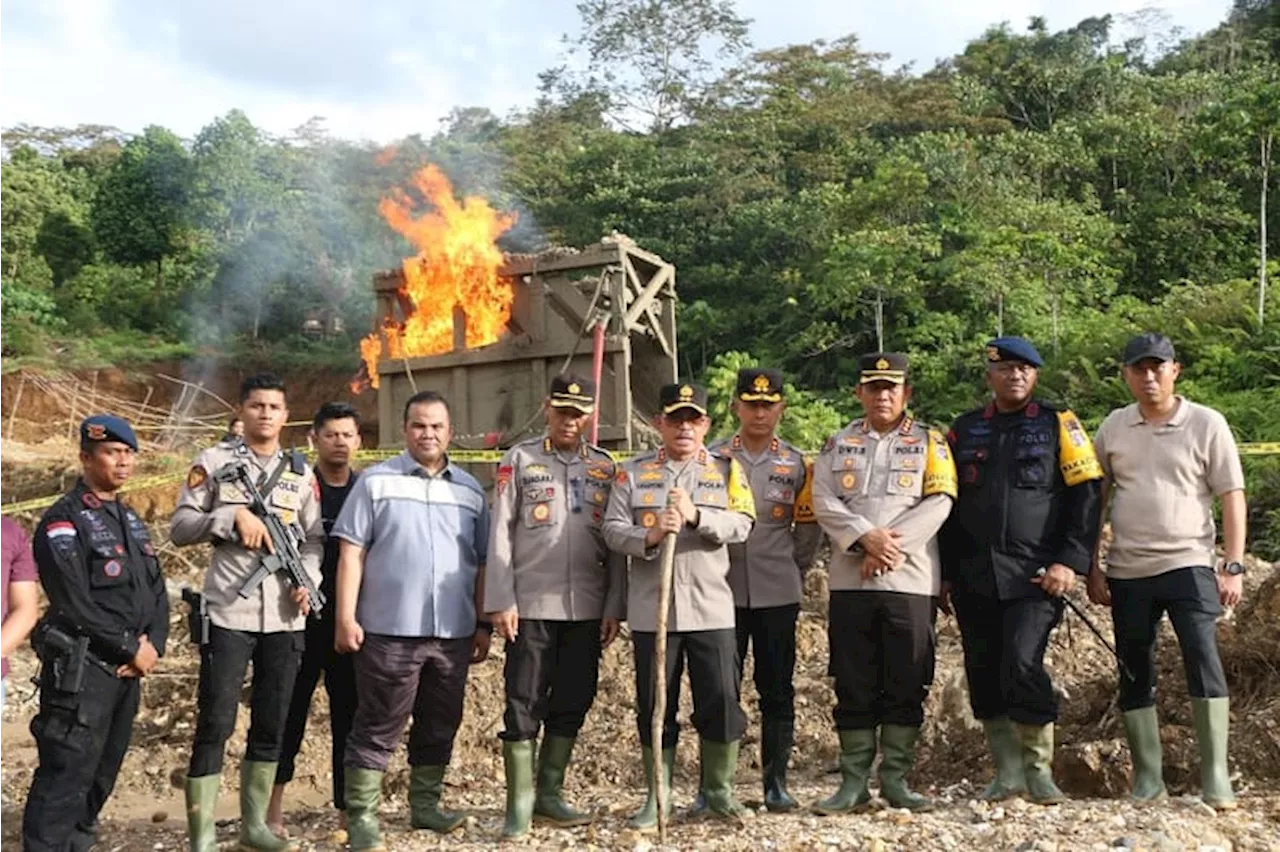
700	595
768	569
904	480
207	512
547	555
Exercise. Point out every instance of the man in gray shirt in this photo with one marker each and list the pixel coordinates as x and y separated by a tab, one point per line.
882	488
705	500
555	594
766	572
1165	459
414	535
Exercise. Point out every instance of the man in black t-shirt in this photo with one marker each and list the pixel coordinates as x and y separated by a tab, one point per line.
335	433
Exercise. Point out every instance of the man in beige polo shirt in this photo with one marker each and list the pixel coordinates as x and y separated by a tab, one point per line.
1165	460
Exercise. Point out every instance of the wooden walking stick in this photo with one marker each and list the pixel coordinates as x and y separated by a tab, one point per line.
667	571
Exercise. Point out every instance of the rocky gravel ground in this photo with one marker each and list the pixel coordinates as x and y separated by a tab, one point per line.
146	811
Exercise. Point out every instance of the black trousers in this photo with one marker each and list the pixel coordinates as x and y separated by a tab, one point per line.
1190	596
713	674
771	633
339	672
882	657
551	673
223	662
1004	645
81	739
399	677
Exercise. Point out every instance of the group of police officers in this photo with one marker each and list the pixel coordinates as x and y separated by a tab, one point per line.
993	521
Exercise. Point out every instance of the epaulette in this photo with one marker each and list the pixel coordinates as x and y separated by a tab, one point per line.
297	462
600	450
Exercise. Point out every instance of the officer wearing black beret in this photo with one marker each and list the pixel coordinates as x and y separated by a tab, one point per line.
107	623
1029	502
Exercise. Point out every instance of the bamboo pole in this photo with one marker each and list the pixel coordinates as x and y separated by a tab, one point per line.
661	793
17	400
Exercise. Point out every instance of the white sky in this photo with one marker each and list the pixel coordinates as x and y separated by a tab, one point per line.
382	69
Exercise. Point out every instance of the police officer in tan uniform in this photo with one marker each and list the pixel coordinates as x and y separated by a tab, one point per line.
705	500
882	489
264	626
766	572
554	592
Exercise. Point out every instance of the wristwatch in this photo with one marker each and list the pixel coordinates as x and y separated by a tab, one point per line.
1233	569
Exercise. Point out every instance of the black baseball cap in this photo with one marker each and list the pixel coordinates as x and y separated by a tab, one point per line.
1149	345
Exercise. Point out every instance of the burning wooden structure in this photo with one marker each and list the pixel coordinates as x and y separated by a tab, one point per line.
611	302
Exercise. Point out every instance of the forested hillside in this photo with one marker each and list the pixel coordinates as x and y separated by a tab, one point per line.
1069	186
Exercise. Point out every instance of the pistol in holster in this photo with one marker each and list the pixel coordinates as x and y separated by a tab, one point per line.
64	654
198	617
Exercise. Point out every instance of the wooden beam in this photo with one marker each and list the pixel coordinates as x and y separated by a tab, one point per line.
590	257
646	297
568	301
503	352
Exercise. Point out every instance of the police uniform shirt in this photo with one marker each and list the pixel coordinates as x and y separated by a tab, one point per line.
99	568
1029	497
547	555
700	595
768	569
904	480
207	511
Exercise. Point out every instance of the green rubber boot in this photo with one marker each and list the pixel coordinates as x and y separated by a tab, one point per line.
719	762
1213	718
897	754
857	753
202	799
1142	729
363	793
646	819
553	762
1037	763
256	780
1006	753
517	758
426	785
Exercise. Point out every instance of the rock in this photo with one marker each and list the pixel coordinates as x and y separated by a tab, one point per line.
642	846
1203	809
1123	843
159	816
876	844
338	837
997	813
1045	845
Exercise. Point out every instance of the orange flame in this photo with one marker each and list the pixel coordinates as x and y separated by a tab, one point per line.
456	266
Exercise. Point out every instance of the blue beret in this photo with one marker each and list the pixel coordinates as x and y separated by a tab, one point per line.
1013	349
107	427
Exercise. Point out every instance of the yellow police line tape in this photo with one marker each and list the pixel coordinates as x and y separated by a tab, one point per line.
465	456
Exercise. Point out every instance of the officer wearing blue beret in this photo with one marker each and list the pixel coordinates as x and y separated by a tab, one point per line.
1023	527
107	623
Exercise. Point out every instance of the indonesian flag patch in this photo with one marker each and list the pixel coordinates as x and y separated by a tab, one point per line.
60	529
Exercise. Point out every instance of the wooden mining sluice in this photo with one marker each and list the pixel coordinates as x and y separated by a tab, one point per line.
495	392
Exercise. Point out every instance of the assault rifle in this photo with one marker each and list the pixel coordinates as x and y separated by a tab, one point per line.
284	540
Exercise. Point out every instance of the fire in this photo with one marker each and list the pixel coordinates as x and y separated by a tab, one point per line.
456	266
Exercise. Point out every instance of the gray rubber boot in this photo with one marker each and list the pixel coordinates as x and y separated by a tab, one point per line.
857	753
202	799
1006	753
1213	719
517	759
1037	763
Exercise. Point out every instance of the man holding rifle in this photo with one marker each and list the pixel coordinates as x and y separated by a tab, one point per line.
108	621
704	499
260	507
